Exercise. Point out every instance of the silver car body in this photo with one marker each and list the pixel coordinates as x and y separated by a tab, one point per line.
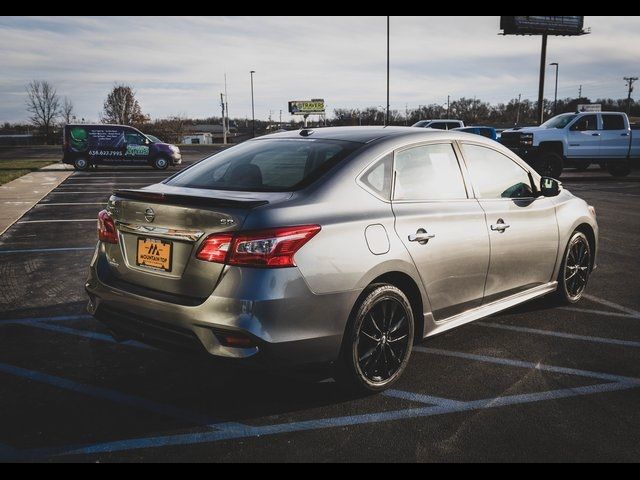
298	315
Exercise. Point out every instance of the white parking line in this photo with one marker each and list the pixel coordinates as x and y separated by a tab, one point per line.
607	303
69	204
58	221
599	312
570	336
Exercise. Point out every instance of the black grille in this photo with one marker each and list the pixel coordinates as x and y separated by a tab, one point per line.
511	139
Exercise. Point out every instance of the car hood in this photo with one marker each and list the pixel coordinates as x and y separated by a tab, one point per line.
526	130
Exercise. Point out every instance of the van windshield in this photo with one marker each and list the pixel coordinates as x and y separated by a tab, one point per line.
270	165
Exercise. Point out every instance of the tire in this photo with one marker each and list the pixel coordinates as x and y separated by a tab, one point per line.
575	269
549	164
621	169
583	167
81	164
160	163
378	341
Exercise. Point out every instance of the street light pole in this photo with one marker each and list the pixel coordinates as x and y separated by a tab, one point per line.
543	64
386	118
555	101
253	109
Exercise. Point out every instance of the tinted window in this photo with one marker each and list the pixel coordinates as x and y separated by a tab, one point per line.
134	138
378	177
274	165
613	122
430	172
438	125
586	123
495	175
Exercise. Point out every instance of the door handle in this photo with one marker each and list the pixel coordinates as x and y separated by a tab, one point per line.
624	135
595	134
421	236
500	226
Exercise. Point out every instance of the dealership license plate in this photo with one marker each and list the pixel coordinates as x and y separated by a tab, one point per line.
154	253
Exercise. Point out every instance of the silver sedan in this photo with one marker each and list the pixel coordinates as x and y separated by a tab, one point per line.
336	246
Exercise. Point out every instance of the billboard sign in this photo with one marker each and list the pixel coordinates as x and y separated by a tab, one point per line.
307	107
542	25
592	107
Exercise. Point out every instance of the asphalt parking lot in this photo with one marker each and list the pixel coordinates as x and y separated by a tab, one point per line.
533	384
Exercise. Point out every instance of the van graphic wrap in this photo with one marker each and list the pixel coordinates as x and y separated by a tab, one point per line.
136	150
79	139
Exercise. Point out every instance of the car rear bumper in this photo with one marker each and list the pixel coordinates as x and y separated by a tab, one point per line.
288	325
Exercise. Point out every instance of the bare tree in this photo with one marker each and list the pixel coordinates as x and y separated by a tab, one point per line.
67	111
122	107
43	104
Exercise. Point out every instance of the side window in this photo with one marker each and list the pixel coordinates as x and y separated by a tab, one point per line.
133	138
613	122
585	124
495	175
429	172
379	176
438	125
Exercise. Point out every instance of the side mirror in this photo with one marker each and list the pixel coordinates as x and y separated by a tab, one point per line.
550	187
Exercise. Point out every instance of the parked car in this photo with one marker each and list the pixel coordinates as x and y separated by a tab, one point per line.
439	124
85	146
254	256
577	139
488	132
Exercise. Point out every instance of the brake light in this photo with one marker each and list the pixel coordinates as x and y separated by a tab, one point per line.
107	228
273	248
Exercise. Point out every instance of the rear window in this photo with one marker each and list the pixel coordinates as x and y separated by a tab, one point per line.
273	165
613	122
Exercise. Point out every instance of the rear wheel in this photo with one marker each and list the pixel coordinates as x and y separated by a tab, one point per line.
621	169
575	270
160	163
549	164
81	164
378	341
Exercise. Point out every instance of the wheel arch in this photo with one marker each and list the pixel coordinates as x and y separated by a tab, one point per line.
552	147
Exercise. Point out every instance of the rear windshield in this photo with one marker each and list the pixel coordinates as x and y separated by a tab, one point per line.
271	165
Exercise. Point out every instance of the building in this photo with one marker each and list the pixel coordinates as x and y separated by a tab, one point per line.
198	138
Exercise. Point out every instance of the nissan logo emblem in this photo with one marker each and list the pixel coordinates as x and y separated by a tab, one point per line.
149	215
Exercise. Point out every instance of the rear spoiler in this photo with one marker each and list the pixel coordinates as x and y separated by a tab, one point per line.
187	200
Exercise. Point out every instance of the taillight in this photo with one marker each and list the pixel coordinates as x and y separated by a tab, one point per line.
107	228
273	248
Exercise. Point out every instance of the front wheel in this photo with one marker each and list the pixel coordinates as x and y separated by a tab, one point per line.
549	164
160	163
378	341
575	270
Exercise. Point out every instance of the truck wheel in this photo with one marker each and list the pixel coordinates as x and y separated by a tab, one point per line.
81	164
583	167
621	169
549	164
160	163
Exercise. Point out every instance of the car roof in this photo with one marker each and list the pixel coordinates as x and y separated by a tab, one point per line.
357	134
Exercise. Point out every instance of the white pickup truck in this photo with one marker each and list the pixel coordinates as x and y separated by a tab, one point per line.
577	139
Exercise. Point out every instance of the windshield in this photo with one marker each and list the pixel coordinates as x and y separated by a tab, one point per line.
560	121
273	165
421	123
153	139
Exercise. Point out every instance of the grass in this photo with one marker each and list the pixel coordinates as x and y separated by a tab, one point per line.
12	169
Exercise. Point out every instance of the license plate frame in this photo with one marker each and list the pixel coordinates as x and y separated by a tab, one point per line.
158	255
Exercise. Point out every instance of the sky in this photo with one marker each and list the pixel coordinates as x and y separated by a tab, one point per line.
177	64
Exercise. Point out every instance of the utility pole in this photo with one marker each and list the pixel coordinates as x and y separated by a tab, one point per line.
253	108
543	65
630	81
386	118
518	113
280	124
555	98
580	92
224	122
448	105
226	105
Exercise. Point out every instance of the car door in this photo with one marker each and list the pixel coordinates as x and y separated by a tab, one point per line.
522	228
584	137
137	147
443	229
615	136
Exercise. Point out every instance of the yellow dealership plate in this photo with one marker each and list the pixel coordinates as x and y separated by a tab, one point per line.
154	253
